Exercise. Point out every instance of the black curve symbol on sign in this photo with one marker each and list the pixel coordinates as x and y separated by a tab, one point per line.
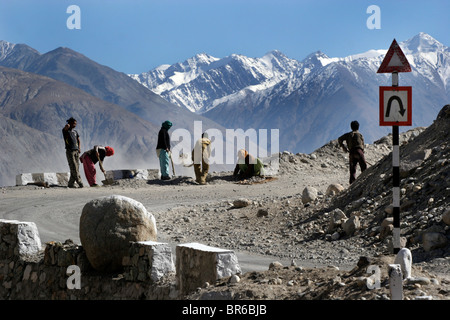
388	109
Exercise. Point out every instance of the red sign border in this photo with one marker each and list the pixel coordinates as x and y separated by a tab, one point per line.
408	121
394	48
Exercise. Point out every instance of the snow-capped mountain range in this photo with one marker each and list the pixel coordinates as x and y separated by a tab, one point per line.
275	91
204	82
310	102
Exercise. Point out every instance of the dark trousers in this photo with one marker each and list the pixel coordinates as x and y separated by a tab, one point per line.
74	165
356	157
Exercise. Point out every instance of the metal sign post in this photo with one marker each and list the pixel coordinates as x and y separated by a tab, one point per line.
395	62
396	178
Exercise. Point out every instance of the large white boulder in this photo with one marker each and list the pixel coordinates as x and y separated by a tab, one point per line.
108	225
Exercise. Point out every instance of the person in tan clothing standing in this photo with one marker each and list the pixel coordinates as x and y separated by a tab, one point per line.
200	157
355	148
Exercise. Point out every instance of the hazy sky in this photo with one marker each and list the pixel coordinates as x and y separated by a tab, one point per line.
134	36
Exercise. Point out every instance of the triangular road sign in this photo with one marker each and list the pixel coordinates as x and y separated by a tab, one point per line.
395	60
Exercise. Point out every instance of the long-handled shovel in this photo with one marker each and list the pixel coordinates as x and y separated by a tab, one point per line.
171	161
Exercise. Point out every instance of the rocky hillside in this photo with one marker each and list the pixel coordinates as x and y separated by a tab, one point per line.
343	231
75	69
33	110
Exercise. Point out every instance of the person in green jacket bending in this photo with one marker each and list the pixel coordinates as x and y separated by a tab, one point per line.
247	166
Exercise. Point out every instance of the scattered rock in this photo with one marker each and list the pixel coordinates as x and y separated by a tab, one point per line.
386	227
234	279
241	203
262	213
337	218
334	189
275	265
418	280
351	225
335	236
433	240
309	194
446	217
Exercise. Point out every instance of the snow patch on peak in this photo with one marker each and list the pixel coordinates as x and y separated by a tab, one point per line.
201	59
422	42
367	55
321	58
275	54
162	67
5	49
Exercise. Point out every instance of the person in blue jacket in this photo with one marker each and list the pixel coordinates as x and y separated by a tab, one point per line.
163	149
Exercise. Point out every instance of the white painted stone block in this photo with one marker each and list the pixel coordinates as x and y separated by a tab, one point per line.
23	179
162	261
51	178
404	259
25	236
140	174
396	282
197	264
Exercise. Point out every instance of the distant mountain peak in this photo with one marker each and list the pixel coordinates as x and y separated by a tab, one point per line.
201	59
276	54
65	51
317	54
5	48
422	42
319	57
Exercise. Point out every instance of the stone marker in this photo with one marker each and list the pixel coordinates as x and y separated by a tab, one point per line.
396	282
148	260
18	238
51	178
197	263
139	174
404	259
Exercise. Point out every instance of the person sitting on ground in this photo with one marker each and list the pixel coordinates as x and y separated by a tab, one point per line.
248	166
90	158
